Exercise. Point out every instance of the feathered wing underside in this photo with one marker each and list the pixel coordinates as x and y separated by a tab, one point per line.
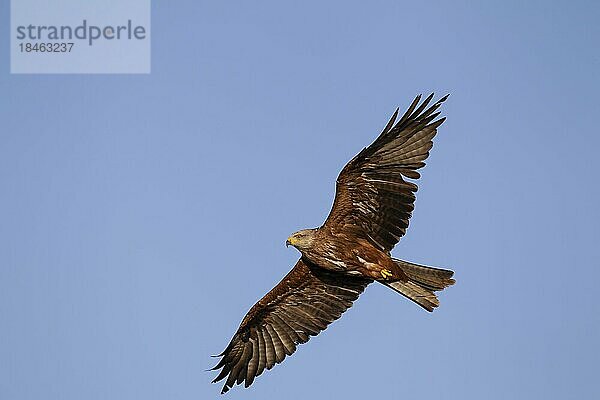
303	304
371	192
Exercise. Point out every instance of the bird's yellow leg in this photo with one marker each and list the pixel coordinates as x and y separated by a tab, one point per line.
386	273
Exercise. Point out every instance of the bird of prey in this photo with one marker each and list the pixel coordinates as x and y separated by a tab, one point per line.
373	204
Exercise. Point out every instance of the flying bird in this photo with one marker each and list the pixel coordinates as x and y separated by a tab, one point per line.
373	204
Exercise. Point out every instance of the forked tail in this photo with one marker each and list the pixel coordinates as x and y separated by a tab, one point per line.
422	283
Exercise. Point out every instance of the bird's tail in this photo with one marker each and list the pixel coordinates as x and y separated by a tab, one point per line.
422	282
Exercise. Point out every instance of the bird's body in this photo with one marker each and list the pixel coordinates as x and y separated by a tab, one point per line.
345	253
352	249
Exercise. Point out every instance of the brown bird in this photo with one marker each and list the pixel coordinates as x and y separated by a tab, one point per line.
373	204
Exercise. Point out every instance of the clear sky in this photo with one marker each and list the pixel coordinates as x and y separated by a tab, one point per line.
142	215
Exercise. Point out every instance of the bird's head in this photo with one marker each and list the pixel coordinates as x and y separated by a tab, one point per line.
302	239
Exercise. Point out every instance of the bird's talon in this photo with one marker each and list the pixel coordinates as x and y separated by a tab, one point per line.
386	273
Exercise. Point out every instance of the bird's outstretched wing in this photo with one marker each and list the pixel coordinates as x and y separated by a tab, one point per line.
306	300
371	192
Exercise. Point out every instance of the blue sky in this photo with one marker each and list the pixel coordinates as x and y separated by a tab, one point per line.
142	215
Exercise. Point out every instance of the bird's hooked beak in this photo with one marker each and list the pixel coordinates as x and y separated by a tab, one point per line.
289	241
